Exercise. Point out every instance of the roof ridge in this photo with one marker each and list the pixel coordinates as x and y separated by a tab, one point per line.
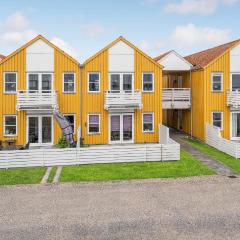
237	40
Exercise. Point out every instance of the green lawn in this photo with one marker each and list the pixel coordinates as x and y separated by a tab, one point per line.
21	176
52	174
224	158
187	166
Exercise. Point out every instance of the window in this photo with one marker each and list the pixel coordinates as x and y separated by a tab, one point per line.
147	119
10	82
94	82
93	123
68	82
10	125
147	82
121	82
217	119
235	81
71	120
217	80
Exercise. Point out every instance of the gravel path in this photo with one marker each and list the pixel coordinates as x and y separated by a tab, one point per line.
189	208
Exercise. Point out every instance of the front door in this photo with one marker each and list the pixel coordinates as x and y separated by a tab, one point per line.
235	126
121	128
40	130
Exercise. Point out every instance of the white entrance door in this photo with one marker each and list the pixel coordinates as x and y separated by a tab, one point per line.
40	130
121	128
235	125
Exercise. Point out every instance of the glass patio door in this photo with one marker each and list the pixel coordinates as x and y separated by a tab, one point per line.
40	130
121	128
235	126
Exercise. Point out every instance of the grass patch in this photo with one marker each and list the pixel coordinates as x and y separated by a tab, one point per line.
187	166
52	174
21	176
222	157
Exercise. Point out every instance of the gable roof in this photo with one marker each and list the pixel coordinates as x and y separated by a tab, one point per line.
162	55
2	57
204	58
33	41
129	44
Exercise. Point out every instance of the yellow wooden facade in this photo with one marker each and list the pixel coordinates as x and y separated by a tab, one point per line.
68	103
94	102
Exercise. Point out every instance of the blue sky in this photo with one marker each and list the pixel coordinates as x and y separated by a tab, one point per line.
84	27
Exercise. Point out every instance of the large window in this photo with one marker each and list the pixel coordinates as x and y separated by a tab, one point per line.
40	82
71	120
147	123
147	82
94	82
69	82
10	125
10	82
121	82
217	119
235	81
93	123
217	82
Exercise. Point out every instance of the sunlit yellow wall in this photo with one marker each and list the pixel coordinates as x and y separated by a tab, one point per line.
198	104
152	102
218	101
16	63
94	102
68	103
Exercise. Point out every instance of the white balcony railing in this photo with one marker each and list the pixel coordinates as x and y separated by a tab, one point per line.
41	100
123	100
233	98
176	98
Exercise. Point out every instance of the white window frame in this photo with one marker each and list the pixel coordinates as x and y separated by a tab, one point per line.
145	91
4	87
4	125
40	80
99	81
221	118
152	122
233	73
99	122
216	74
121	80
67	92
74	120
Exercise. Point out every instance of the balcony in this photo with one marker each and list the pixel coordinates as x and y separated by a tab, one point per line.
123	100
36	100
176	98
233	98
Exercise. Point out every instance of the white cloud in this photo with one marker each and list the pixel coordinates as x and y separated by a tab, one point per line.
66	47
191	35
16	29
204	7
93	29
146	47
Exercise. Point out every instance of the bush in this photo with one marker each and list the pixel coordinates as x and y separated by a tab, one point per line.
62	142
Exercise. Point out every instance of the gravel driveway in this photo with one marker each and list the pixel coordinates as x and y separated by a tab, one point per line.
190	208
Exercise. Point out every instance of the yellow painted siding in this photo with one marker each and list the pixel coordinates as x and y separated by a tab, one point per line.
152	102
17	63
198	104
94	102
68	103
218	101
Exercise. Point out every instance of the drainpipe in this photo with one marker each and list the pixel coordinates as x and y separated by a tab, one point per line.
81	98
191	124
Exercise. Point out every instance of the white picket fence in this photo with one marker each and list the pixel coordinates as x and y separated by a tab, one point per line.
90	155
214	139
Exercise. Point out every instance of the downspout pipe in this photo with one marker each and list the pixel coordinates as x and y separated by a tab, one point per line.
191	123
81	97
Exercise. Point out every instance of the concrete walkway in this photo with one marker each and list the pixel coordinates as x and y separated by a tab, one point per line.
218	167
